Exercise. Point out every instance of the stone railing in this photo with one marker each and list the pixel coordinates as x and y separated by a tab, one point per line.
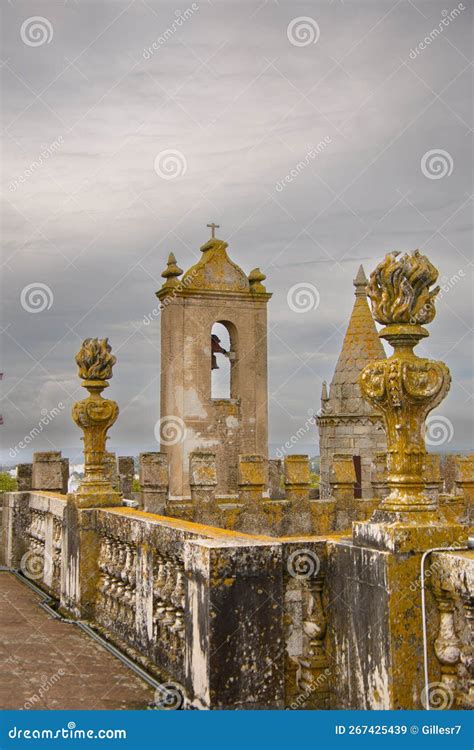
237	621
33	528
452	661
140	595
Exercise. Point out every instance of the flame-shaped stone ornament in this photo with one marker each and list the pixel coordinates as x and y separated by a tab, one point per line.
95	415
404	387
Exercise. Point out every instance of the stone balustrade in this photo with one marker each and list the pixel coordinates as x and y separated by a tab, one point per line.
451	666
235	620
33	528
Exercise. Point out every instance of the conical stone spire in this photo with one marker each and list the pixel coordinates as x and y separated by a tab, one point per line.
361	345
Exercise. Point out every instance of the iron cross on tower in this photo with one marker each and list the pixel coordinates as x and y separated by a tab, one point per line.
213	228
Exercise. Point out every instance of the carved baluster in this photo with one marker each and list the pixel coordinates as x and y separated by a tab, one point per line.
446	647
177	599
467	656
170	611
159	584
314	661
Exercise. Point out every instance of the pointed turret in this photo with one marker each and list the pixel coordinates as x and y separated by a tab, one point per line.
361	345
347	424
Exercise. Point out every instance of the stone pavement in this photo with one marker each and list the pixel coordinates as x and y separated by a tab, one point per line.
49	664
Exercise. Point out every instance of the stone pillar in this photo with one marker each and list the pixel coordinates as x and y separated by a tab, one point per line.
126	471
464	477
48	471
378	476
65	475
342	478
252	480
275	475
80	561
464	484
154	482
297	515
203	483
448	471
234	640
24	477
110	464
433	479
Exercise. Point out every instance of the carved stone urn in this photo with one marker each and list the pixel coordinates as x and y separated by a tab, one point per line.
404	387
94	415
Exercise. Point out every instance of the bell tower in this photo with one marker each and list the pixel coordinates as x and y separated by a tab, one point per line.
213	291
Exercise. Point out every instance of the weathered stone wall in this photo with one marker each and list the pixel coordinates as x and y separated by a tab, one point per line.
245	621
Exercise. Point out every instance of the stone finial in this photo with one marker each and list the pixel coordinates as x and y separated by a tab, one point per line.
404	387
95	360
360	282
255	278
324	397
171	272
399	289
94	415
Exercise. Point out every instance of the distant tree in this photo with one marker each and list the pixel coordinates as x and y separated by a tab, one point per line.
315	479
136	485
7	483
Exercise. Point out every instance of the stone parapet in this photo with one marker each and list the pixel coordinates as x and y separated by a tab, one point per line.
203	483
50	472
24	477
126	473
154	481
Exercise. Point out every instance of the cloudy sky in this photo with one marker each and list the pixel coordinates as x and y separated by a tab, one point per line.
242	92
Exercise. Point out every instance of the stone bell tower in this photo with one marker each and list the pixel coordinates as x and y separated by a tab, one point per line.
347	424
214	290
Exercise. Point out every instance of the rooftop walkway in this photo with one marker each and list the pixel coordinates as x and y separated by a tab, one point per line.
49	664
